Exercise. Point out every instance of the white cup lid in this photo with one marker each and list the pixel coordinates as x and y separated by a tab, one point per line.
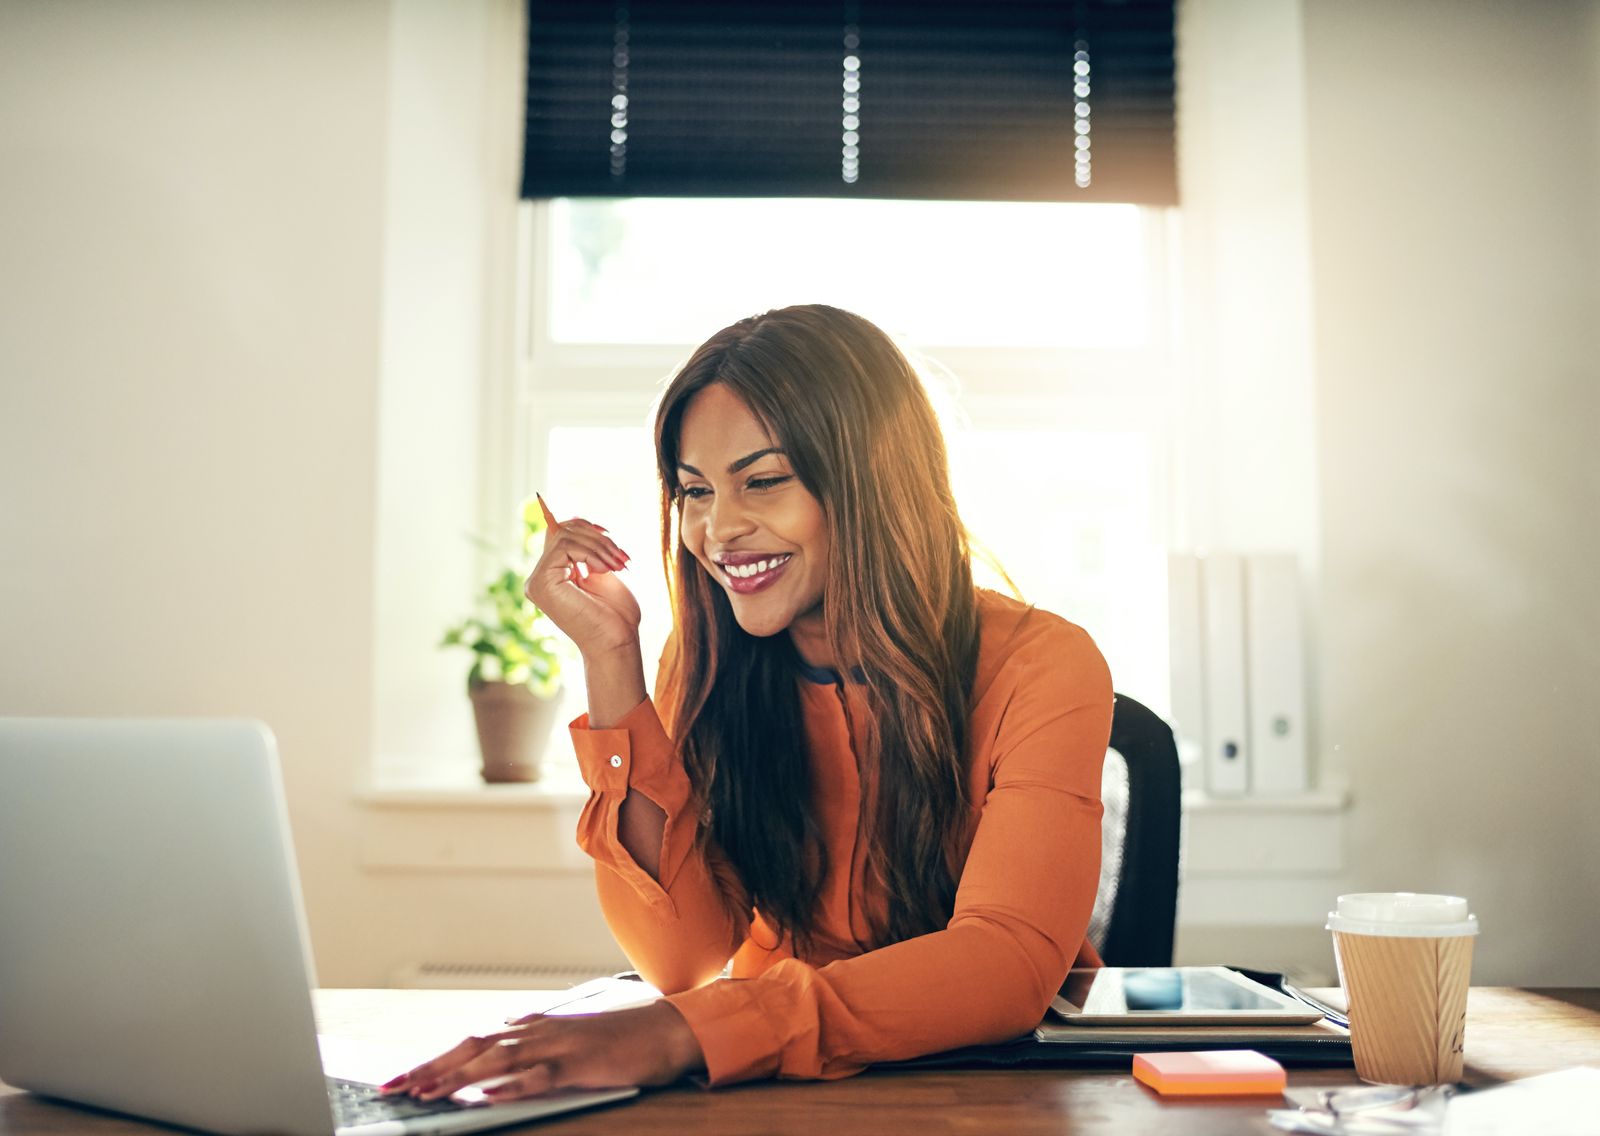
1403	913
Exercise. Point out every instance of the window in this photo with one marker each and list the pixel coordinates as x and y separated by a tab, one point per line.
1042	329
675	270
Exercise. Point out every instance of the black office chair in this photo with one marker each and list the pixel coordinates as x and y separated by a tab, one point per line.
1137	904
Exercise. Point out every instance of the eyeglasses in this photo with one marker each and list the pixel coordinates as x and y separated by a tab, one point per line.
1378	1110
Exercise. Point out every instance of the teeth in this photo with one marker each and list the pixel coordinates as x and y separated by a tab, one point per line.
745	571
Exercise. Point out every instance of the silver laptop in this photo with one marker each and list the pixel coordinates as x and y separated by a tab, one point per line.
153	952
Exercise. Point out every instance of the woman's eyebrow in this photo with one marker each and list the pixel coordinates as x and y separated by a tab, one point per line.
735	467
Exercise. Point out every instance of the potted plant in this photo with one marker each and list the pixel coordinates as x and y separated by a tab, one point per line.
516	670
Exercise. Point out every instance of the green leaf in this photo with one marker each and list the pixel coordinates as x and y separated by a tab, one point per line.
509	637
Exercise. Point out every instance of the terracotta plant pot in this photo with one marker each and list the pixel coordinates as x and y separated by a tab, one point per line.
513	725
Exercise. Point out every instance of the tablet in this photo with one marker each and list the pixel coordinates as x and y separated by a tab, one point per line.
1174	996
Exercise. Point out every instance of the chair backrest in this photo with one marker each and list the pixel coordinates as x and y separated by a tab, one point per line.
1137	904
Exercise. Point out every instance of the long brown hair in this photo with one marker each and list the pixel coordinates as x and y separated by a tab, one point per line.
899	605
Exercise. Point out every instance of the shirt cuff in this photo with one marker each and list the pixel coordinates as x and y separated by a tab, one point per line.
735	1037
635	753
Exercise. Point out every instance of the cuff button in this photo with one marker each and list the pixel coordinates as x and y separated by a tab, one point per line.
616	761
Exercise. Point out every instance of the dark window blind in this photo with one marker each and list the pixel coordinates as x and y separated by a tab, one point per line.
1004	100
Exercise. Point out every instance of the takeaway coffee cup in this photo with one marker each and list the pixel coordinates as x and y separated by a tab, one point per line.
1404	962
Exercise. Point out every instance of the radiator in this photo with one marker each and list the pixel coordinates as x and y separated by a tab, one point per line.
498	976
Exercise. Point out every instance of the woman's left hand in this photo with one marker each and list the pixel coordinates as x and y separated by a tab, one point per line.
648	1045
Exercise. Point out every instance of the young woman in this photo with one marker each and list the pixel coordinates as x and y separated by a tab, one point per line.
869	785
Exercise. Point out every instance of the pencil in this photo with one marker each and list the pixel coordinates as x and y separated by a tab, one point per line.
549	517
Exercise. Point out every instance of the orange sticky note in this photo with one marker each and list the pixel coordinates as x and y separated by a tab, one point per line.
1212	1072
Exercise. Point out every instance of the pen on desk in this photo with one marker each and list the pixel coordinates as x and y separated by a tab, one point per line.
579	993
575	994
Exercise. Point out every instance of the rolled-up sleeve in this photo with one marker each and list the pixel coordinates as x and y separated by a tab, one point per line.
679	930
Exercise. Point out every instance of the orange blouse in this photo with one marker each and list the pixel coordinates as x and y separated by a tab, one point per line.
1041	717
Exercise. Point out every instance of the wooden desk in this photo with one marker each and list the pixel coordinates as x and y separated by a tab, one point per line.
1510	1033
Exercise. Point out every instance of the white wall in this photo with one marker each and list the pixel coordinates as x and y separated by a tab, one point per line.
246	254
1455	230
1248	469
191	226
1450	162
438	193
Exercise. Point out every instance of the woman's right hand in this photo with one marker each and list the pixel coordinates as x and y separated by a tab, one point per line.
576	585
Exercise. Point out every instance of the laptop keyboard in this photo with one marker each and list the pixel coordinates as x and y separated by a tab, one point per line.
355	1103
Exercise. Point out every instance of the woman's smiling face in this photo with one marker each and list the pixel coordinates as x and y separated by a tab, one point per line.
751	524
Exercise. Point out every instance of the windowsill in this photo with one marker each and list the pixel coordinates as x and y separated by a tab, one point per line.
1290	838
453	789
1313	801
447	819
